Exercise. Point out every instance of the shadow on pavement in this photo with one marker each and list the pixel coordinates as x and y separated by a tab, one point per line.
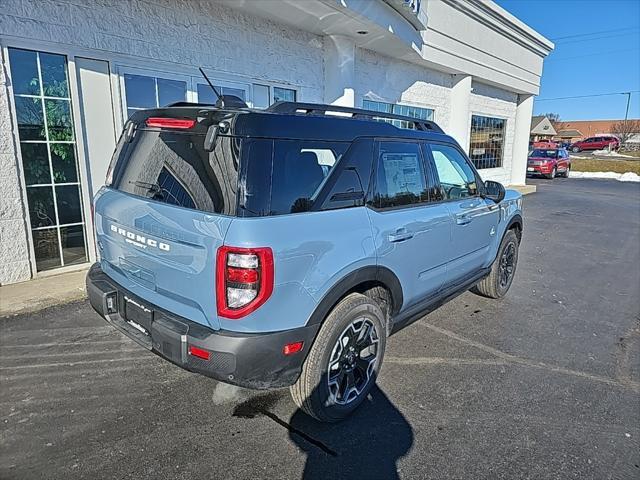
366	445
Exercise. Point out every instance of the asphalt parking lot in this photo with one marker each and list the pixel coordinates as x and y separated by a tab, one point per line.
544	384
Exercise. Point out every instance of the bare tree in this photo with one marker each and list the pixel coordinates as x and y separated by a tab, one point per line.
554	118
625	129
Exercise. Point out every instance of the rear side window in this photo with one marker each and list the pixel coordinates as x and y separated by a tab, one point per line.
285	176
174	168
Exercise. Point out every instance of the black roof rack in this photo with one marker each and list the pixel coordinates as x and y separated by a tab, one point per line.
357	113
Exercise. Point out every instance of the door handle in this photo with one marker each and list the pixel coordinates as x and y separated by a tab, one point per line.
463	219
400	236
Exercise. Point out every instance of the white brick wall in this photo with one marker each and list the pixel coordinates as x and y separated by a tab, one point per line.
495	102
185	32
14	250
394	81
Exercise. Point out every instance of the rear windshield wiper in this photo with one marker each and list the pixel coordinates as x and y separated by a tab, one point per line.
153	188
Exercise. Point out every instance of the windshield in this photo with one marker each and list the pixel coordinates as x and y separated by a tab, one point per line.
544	153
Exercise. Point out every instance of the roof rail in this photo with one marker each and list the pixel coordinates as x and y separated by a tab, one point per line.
358	113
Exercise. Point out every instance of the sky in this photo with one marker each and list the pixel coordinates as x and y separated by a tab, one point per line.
597	50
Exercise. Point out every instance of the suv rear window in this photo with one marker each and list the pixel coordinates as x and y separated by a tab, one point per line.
174	168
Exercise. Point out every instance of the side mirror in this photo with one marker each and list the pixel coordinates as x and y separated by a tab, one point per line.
494	190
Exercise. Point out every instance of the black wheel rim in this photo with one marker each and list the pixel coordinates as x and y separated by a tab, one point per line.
507	265
352	361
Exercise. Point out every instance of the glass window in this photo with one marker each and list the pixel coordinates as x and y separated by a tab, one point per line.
54	75
30	117
143	91
407	110
457	178
170	91
206	95
283	95
355	175
299	171
260	96
400	178
48	151
487	141
284	176
24	72
175	168
539	153
173	191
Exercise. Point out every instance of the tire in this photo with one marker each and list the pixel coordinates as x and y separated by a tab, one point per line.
317	391
492	285
565	174
553	173
575	149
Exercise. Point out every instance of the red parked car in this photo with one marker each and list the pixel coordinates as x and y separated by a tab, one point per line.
549	162
596	143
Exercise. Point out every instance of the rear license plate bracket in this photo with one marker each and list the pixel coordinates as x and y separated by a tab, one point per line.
138	314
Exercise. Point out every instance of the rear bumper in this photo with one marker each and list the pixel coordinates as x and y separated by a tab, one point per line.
248	360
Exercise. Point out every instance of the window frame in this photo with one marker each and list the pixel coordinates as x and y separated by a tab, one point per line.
479	181
373	183
77	143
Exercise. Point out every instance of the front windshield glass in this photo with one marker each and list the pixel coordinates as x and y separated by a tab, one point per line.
544	153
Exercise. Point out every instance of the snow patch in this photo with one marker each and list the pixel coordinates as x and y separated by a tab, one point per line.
621	177
607	153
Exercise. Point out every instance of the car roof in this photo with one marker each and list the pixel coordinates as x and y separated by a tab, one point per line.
291	120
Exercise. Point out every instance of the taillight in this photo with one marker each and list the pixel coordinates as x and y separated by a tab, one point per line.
164	122
244	280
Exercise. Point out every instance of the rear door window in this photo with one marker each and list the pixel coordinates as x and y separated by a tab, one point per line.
174	168
400	176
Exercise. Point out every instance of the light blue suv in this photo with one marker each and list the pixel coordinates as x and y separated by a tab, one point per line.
282	247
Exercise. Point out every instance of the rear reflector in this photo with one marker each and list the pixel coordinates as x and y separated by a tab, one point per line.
291	348
199	352
178	123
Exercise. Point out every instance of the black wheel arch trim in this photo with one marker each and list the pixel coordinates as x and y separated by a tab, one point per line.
357	277
515	220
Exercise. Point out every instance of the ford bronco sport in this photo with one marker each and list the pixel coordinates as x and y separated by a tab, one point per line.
282	247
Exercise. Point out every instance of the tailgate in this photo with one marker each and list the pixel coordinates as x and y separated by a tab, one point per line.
167	206
164	254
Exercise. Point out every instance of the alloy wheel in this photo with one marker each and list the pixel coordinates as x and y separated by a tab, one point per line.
352	361
507	265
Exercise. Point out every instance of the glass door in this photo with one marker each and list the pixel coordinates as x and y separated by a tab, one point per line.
48	149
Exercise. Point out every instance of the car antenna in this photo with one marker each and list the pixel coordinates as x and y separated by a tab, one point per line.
220	100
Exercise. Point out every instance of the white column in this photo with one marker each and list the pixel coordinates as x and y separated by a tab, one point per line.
524	110
459	122
339	71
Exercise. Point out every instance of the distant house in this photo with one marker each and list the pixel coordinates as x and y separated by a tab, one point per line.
570	135
541	129
591	128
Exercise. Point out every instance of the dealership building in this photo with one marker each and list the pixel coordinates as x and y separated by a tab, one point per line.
74	70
